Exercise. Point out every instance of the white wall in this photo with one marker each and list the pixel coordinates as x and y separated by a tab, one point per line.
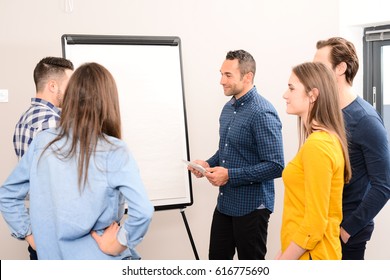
279	34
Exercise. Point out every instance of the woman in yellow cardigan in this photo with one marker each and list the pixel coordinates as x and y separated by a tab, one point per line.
314	179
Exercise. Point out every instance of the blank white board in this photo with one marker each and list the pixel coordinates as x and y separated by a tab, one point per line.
148	73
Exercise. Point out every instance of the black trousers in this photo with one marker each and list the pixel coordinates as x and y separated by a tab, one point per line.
247	234
33	253
355	248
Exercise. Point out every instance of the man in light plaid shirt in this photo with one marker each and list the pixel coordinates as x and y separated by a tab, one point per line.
51	76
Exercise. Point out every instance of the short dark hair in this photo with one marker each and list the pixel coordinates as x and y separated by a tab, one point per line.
342	51
246	62
49	67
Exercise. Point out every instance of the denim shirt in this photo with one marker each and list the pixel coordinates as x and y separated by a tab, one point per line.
251	148
61	215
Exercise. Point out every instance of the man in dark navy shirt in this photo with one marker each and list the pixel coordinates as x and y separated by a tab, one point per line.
369	188
249	158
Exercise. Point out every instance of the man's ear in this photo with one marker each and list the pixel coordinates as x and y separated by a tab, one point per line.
52	85
249	77
341	68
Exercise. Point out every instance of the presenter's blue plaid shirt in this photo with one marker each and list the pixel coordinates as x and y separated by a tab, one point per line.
40	116
251	148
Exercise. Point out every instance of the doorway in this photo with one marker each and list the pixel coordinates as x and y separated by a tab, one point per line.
376	52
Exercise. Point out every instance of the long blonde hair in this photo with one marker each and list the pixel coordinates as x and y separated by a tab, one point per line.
325	112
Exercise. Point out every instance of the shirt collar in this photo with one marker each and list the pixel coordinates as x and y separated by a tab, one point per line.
42	102
245	98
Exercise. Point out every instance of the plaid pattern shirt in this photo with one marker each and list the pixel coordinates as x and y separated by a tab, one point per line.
40	116
251	148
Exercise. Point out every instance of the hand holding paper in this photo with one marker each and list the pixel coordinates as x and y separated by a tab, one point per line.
195	166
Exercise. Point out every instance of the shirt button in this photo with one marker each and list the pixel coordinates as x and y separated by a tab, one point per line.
235	112
226	145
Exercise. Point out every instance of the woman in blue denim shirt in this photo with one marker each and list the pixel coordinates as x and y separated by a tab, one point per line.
79	177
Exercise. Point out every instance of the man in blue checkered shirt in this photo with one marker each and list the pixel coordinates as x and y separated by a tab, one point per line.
51	76
249	158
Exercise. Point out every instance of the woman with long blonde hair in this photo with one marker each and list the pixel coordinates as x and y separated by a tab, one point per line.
315	177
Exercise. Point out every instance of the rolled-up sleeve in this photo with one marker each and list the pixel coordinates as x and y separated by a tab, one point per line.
13	194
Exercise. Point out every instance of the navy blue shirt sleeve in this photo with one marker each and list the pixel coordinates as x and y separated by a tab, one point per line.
374	146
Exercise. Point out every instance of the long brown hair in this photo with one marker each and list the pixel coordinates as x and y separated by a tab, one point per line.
325	112
90	111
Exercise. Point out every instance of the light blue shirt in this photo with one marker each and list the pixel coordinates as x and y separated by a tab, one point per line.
61	216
